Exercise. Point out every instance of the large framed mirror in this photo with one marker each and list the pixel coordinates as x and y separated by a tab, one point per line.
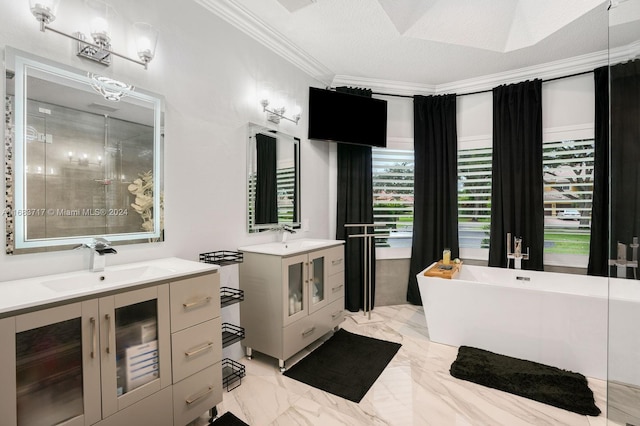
273	179
83	157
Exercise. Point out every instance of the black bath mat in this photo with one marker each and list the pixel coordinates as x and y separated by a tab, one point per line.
228	419
346	365
550	385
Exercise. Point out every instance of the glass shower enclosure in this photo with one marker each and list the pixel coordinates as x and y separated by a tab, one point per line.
623	372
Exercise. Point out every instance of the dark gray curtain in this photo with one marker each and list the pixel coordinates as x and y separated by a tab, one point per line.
517	184
266	210
625	154
599	241
355	205
435	217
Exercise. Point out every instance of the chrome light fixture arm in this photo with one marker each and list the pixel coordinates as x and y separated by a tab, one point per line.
82	42
100	49
274	115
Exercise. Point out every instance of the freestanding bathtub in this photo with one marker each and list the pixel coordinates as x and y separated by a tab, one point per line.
551	318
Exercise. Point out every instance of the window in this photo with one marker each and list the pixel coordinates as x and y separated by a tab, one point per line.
393	196
568	195
285	177
568	192
474	197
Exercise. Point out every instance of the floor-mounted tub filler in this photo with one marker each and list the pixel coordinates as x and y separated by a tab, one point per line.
552	318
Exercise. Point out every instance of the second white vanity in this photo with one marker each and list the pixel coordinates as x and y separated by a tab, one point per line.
294	294
139	341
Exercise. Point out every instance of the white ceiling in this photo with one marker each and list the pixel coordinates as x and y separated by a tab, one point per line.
428	45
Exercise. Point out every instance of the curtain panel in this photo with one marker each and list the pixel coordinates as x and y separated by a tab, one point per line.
599	240
625	155
266	208
517	205
355	205
435	216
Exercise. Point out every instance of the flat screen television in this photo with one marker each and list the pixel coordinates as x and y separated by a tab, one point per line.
347	118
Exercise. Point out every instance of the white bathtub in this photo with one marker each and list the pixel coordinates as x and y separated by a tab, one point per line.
551	318
624	331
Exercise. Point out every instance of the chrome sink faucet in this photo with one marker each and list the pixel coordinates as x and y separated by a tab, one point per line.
99	248
285	229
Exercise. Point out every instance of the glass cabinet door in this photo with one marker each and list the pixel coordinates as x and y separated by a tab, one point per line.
56	378
135	338
318	274
295	290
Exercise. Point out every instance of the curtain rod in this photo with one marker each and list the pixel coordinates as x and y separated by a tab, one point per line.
481	91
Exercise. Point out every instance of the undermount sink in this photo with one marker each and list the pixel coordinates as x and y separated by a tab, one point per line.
290	247
106	277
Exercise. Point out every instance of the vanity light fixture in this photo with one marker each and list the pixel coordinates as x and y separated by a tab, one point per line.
99	47
275	114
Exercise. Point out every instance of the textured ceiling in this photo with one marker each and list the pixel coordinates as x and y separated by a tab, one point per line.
498	25
427	42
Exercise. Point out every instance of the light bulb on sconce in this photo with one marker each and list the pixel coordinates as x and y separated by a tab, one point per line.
275	114
100	31
98	47
297	113
44	11
146	40
70	156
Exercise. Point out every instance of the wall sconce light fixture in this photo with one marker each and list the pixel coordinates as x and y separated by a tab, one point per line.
275	114
99	47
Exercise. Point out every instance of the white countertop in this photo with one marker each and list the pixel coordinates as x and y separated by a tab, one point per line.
33	292
291	247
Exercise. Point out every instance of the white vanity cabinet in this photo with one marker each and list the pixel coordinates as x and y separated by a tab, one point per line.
151	355
291	300
196	345
84	361
50	366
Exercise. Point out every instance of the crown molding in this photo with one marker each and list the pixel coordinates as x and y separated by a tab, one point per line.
238	16
241	18
547	71
385	86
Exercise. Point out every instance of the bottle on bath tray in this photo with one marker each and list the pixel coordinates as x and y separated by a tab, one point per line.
446	256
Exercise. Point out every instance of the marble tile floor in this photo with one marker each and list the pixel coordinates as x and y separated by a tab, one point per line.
415	389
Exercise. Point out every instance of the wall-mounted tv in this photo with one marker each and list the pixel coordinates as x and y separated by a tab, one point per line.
348	118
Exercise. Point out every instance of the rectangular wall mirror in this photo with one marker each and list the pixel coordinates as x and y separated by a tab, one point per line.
273	181
83	157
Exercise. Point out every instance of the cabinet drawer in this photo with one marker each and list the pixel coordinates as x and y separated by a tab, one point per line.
335	260
194	300
196	394
195	348
307	330
335	287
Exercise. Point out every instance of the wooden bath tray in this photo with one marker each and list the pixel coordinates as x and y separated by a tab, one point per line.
441	270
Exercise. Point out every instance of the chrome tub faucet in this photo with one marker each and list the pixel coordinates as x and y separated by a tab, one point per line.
517	254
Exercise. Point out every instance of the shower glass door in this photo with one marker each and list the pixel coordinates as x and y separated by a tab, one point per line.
97	184
623	375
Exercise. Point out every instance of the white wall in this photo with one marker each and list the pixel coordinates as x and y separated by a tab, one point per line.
211	76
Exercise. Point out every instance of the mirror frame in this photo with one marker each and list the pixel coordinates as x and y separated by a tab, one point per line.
21	63
252	130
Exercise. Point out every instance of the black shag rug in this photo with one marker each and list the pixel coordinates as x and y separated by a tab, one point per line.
346	365
228	419
542	383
